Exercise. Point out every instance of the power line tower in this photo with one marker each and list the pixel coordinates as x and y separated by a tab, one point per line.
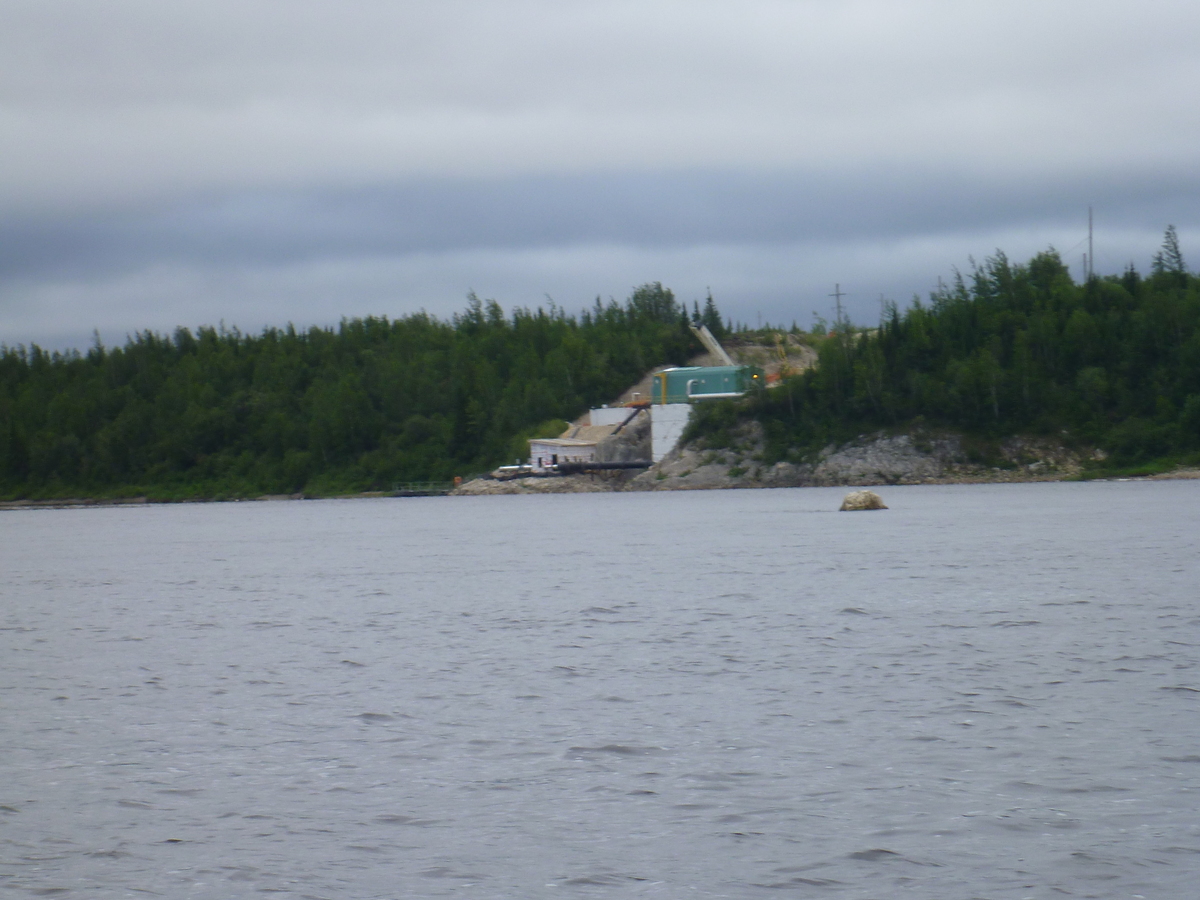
1091	257
838	294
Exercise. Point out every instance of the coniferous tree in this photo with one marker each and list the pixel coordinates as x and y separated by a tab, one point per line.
712	318
368	404
1169	259
1113	363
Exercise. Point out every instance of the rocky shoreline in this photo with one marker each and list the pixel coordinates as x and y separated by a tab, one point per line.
871	460
877	459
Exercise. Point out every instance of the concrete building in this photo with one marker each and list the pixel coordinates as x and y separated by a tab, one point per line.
613	435
547	452
672	393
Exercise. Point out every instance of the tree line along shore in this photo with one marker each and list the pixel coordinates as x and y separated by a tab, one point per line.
1111	364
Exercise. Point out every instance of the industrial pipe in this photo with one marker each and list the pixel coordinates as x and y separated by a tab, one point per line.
574	468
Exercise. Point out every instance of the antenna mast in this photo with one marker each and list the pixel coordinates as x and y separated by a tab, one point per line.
1091	260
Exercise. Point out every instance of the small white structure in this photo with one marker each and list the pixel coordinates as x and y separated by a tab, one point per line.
546	452
578	443
667	421
610	415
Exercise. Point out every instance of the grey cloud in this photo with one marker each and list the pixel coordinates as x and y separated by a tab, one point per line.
781	282
186	162
668	209
143	99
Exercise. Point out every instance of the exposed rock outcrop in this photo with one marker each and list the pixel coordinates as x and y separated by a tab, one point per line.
692	467
630	444
920	457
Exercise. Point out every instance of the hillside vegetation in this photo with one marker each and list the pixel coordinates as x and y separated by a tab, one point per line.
1010	349
375	402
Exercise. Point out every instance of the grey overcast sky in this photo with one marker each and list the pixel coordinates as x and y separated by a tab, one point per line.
264	161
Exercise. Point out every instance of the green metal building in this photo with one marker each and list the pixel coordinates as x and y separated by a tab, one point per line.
689	383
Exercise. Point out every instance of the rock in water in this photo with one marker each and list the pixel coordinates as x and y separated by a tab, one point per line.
862	500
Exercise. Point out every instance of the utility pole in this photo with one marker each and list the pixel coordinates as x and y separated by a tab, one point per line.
845	336
1091	257
837	293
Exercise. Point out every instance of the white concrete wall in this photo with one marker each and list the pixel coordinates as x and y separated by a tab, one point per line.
666	426
610	415
542	452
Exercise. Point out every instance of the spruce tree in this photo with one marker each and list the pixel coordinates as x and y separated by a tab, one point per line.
1169	258
712	318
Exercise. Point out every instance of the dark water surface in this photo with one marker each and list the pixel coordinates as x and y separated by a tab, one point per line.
984	692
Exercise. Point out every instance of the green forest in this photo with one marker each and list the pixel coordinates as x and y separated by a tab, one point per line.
365	406
1112	363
